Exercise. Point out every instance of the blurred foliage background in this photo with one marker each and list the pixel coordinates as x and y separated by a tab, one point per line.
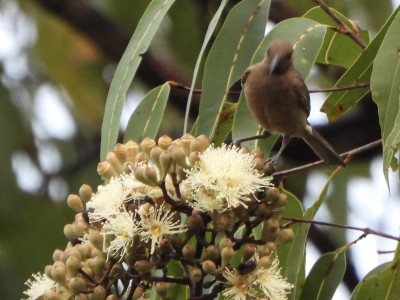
57	60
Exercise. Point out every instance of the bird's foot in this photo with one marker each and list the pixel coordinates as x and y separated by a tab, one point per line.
269	166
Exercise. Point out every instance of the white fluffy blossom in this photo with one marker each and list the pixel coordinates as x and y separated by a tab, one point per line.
223	178
39	286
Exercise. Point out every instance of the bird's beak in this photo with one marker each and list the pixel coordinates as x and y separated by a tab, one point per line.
273	64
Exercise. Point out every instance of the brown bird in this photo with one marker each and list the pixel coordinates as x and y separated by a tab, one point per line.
279	100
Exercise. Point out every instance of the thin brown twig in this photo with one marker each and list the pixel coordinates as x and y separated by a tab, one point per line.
343	27
323	90
366	230
347	154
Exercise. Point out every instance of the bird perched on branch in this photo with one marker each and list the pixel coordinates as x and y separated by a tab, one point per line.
279	100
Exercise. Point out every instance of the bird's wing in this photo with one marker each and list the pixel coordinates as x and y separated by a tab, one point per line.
303	94
245	75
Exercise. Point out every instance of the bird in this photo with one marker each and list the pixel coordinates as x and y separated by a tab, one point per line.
278	99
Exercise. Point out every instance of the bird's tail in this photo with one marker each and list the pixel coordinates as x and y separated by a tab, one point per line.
321	147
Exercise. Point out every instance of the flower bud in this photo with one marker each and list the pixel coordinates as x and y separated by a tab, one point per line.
285	236
75	203
139	291
271	195
57	254
69	232
143	266
121	152
141	157
281	201
165	163
178	156
150	175
199	144
147	144
196	275
73	264
58	272
195	222
258	164
188	251
210	253
244	150
264	262
186	139
248	252
194	157
155	156
85	192
112	297
47	270
96	239
139	174
226	256
113	160
258	153
209	267
225	242
132	149
263	211
164	142
80	228
106	170
98	265
99	293
76	284
51	295
162	289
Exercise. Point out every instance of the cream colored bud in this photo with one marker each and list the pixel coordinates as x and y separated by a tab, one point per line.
258	153
47	270
210	253
75	203
225	242
248	252
106	170
51	295
81	297
139	174
226	256
58	272
88	270
285	236
272	194
98	265
96	239
258	164
132	149
199	144
194	157
114	161
264	262
150	175
165	163
180	171
195	222
263	211
139	291
272	225
271	246
188	251
209	267
85	192
80	228
112	297
69	232
162	289
142	157
57	254
121	152
244	150
147	144
196	275
99	293
179	156
186	139
281	201
164	142
241	213
95	252
73	264
76	284
155	156
224	221
143	266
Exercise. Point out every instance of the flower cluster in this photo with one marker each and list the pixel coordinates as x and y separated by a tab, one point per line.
172	214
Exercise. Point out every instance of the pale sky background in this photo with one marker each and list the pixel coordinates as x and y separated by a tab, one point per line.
370	203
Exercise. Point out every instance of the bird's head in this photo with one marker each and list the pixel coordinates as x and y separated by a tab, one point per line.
279	57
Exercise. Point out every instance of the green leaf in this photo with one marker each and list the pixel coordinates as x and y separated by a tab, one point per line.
385	82
309	36
225	121
339	102
126	70
294	270
338	49
325	276
145	120
229	56
382	283
210	30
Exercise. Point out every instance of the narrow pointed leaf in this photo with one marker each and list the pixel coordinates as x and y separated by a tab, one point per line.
339	102
309	36
385	82
229	56
338	49
126	70
325	276
146	119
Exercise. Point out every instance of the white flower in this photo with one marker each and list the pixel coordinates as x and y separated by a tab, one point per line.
222	179
39	286
121	229
156	224
271	282
259	283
